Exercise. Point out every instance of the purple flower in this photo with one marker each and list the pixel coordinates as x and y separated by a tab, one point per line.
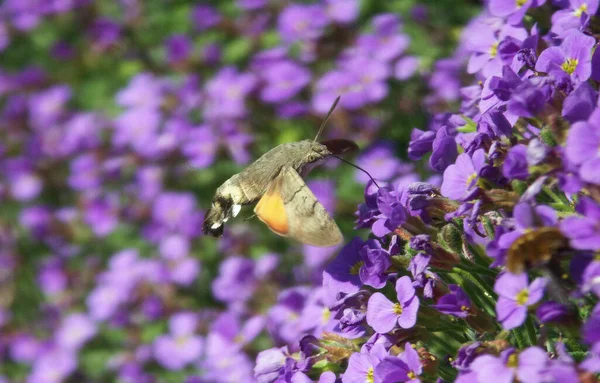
174	247
591	335
375	263
361	366
460	179
582	149
584	231
456	303
236	281
24	348
392	212
572	59
251	4
527	366
269	364
53	366
406	67
226	94
580	103
383	314
515	164
144	90
551	312
138	128
515	295
380	162
420	143
104	33
179	48
404	368
342	11
102	215
566	20
342	274
205	17
591	278
283	80
444	150
486	57
172	210
513	10
75	331
104	301
45	108
301	22
368	82
184	271
200	147
181	346
25	186
85	173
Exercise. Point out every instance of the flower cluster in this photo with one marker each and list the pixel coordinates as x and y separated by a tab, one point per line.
490	273
114	132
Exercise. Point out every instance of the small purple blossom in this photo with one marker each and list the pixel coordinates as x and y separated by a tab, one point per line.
515	295
383	314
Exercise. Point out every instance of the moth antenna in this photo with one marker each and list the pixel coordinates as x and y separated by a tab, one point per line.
359	168
337	99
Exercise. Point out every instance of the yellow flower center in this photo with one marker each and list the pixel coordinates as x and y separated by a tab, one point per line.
397	309
181	341
513	361
570	65
520	3
470	179
522	297
583	8
370	377
325	315
354	269
464	308
494	50
411	375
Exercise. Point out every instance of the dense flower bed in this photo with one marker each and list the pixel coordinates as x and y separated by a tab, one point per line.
476	262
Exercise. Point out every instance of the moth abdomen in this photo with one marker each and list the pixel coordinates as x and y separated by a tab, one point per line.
221	210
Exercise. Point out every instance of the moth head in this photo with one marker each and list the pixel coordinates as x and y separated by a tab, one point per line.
340	146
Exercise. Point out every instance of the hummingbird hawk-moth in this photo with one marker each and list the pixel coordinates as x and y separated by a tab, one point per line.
285	204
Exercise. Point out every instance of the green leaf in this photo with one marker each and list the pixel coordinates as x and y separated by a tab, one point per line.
237	50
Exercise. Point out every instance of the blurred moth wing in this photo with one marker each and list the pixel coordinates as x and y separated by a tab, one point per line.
290	209
534	248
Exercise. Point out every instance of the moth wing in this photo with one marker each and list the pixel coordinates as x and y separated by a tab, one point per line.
271	209
308	220
289	208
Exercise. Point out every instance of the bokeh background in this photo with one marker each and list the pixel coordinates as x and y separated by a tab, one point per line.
119	119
